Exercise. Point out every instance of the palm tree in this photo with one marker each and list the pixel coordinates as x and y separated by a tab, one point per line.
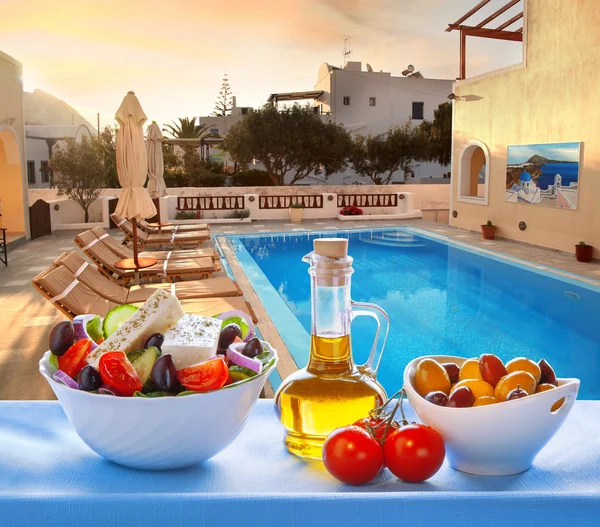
187	128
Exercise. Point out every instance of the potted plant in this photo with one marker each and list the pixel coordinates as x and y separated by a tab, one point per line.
488	230
583	252
296	212
351	211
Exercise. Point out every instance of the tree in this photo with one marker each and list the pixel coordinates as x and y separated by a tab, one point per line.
187	128
439	133
79	172
107	144
224	102
379	157
291	141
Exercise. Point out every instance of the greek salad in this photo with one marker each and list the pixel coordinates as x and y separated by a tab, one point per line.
156	350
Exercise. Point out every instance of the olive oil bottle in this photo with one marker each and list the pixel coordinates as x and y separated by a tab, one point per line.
332	391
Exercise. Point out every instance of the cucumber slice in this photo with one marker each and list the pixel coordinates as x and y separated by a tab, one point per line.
186	392
239	373
115	317
134	355
143	364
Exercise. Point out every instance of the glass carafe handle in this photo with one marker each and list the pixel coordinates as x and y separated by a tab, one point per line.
373	311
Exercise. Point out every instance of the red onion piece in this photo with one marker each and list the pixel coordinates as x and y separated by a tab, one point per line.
80	329
62	377
105	389
235	355
244	316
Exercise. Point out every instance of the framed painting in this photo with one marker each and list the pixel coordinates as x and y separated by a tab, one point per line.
543	174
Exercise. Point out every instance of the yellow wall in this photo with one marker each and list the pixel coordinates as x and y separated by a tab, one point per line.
554	98
13	186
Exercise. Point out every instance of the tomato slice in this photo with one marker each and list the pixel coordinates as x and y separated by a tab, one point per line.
73	361
116	371
206	376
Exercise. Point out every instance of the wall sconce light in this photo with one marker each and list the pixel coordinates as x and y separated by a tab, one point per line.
454	213
401	196
330	198
57	207
454	97
251	199
522	225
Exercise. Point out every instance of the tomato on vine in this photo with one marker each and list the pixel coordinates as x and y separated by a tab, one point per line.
414	453
352	455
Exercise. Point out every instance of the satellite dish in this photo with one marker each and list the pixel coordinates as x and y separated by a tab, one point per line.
409	70
369	68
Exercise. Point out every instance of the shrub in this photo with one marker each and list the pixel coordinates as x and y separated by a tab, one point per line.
239	214
250	178
351	211
296	205
188	215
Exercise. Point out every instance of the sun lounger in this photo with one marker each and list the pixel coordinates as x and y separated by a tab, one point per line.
175	239
112	291
125	252
181	227
72	297
69	295
171	269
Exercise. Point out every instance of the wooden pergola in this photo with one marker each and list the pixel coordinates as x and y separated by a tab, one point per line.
482	29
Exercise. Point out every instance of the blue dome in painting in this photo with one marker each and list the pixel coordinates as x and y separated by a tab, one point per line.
525	176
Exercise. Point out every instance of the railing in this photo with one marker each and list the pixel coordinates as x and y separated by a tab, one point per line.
211	203
367	200
283	202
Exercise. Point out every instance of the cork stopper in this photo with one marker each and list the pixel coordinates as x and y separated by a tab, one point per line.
331	247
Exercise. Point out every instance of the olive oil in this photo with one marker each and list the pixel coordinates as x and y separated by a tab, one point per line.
329	393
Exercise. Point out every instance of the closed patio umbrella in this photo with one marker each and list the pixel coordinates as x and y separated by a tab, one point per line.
132	166
156	163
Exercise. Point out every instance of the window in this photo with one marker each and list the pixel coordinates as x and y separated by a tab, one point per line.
474	172
214	131
45	170
244	111
417	110
346	101
31	172
372	101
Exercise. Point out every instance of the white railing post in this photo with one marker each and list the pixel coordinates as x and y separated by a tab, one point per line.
251	203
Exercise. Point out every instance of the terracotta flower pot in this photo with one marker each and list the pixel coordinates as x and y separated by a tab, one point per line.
489	233
584	253
296	215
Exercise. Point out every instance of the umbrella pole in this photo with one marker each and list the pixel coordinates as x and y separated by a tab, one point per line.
135	242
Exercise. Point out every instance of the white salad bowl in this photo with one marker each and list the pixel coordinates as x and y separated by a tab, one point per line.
163	432
498	439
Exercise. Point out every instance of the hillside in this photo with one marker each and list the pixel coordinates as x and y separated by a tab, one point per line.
540	160
42	108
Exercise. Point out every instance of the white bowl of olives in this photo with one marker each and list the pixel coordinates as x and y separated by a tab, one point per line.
494	417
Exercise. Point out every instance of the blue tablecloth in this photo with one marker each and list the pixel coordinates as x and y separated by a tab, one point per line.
48	477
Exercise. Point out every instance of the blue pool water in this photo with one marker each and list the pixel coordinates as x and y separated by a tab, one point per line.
441	299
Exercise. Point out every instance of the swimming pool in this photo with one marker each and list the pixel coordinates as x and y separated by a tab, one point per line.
441	298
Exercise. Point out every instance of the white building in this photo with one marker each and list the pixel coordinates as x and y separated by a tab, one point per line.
371	102
40	141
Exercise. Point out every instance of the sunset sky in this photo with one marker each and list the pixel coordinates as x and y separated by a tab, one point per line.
174	53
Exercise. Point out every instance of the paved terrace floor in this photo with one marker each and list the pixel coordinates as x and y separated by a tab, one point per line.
26	318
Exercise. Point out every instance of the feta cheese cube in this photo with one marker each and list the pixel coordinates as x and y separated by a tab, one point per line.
156	315
192	339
